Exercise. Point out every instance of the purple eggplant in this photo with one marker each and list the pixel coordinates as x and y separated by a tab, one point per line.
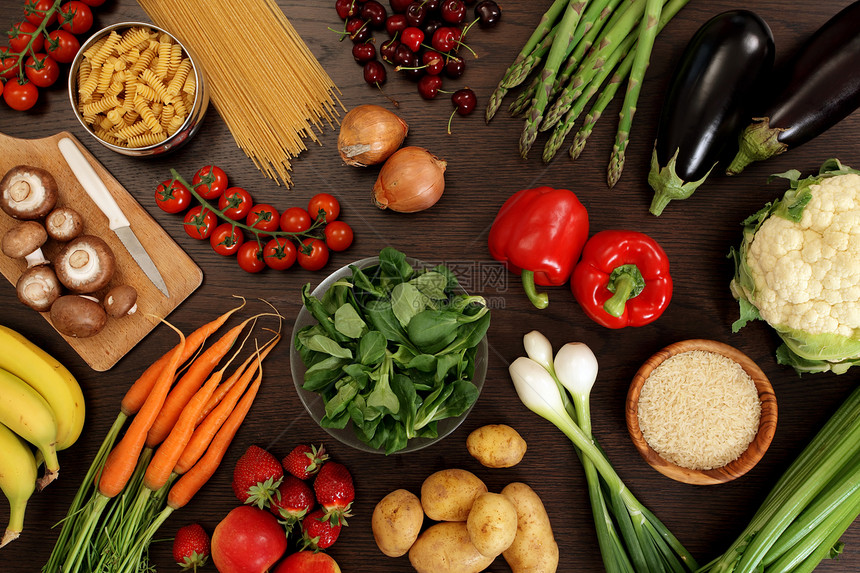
710	96
819	88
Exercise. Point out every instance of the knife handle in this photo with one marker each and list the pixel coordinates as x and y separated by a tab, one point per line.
92	183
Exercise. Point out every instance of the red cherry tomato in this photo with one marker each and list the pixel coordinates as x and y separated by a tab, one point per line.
316	258
264	218
76	17
325	202
338	236
172	196
62	46
93	2
279	253
226	239
34	11
19	37
20	96
199	222
8	63
295	220
235	203
210	182
250	257
42	70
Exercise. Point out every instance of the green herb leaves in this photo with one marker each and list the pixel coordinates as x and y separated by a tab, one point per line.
393	350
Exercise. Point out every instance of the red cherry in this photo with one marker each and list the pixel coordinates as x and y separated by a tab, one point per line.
374	73
434	61
453	11
444	39
399	6
412	38
346	8
465	100
388	49
395	23
363	52
428	86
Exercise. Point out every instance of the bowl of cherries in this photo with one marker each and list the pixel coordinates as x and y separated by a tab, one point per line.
426	41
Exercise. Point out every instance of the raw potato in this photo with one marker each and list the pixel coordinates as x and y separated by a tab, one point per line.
396	522
448	495
492	524
534	550
496	446
446	548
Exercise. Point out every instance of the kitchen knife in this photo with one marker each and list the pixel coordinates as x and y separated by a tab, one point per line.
95	188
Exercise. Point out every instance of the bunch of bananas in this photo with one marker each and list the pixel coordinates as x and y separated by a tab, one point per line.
41	405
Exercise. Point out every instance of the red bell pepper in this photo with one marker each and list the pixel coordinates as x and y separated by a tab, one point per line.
538	234
623	279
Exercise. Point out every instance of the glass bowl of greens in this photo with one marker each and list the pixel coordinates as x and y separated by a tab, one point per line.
388	354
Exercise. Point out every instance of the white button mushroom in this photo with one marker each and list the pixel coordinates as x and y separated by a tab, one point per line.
28	192
85	265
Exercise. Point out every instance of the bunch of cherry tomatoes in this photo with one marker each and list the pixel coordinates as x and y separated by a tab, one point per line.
38	44
223	215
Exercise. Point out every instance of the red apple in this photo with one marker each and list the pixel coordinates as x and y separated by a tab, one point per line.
248	540
308	562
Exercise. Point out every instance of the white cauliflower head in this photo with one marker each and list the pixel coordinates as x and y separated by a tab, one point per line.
799	269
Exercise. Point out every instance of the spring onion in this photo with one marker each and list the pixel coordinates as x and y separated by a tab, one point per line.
631	538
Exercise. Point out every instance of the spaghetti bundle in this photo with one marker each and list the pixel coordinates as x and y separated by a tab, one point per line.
271	92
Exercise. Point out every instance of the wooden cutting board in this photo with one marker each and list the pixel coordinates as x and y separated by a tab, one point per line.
180	273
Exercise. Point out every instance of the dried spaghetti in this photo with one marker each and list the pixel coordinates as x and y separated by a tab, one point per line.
270	108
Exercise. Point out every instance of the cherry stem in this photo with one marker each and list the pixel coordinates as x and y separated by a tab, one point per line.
450	118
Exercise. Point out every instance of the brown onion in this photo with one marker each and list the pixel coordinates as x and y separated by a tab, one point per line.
411	180
369	135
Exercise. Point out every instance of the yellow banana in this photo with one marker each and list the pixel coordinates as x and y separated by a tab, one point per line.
50	379
25	412
17	479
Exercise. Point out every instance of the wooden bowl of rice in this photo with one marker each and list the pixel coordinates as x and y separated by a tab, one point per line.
701	412
137	89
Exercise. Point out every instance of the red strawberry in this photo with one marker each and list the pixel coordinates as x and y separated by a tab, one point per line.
304	461
316	533
335	492
191	547
293	501
256	477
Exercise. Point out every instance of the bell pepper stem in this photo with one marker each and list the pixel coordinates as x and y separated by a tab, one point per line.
624	286
540	300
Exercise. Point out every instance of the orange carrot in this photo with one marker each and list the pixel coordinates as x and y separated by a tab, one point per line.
190	483
190	383
224	388
121	461
204	433
136	395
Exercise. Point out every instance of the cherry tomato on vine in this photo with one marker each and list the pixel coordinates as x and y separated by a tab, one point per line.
295	220
200	223
279	253
236	203
34	11
42	70
210	182
338	236
8	63
20	96
20	34
264	218
316	258
172	196
76	17
250	257
62	46
226	239
325	202
93	2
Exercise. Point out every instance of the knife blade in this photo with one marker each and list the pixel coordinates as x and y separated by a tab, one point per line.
118	223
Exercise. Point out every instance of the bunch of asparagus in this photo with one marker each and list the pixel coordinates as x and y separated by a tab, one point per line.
583	45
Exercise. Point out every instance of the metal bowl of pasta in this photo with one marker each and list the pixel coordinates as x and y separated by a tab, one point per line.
137	89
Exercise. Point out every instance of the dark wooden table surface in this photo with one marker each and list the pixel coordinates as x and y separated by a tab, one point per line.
484	168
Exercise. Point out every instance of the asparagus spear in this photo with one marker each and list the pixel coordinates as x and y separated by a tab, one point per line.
524	100
648	29
543	28
669	11
562	129
563	38
608	42
572	64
